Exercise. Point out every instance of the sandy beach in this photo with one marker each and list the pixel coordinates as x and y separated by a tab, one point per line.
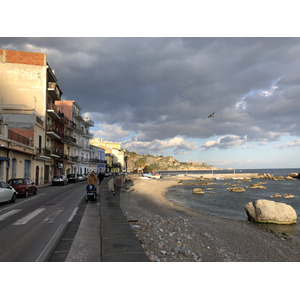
170	233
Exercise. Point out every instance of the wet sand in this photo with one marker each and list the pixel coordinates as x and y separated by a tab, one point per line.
170	233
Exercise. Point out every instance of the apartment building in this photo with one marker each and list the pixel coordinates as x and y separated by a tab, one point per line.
98	160
78	151
57	137
28	90
114	154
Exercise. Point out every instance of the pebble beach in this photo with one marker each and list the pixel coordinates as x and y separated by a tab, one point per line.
171	233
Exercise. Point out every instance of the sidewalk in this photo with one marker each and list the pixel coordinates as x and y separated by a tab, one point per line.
104	234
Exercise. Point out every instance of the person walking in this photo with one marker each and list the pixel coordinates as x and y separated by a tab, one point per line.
92	179
100	176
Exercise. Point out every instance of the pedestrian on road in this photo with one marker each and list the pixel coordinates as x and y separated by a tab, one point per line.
100	176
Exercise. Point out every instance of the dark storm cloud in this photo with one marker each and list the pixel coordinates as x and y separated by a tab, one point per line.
161	88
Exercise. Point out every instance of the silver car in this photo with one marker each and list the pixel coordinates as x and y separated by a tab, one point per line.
60	180
7	192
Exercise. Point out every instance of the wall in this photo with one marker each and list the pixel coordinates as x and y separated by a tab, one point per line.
66	107
23	83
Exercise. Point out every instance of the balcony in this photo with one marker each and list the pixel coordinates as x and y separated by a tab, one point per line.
63	119
69	139
74	158
53	111
89	122
54	91
87	134
43	153
54	132
72	125
56	152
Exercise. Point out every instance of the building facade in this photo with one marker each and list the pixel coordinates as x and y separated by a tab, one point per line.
58	141
114	154
78	151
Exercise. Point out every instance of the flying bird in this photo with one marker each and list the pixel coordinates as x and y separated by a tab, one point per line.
211	115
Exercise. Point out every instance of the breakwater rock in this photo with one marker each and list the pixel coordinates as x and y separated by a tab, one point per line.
266	211
237	189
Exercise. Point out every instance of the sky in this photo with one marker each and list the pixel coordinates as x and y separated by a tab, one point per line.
154	94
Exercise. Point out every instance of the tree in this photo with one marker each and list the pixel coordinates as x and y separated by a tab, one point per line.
141	163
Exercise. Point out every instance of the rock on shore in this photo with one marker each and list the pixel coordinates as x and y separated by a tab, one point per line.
266	211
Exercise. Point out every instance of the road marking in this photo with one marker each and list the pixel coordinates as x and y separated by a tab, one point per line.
11	206
52	216
28	217
51	243
73	214
8	214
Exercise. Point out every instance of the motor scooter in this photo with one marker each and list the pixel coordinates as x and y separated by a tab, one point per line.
90	192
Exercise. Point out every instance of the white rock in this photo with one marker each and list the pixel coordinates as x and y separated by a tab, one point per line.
266	211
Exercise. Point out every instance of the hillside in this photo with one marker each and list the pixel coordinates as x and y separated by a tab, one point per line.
161	163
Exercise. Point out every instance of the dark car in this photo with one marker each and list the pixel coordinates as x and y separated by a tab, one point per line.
72	178
24	186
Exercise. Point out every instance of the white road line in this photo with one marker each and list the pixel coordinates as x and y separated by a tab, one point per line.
31	198
50	244
73	214
52	216
28	217
8	214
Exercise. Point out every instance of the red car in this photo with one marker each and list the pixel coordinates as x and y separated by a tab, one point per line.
24	186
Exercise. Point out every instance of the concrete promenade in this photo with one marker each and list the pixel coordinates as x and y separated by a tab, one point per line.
104	234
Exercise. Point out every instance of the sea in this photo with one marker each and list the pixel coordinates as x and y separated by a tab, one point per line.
220	202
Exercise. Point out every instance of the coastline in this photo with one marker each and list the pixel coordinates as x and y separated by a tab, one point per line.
170	233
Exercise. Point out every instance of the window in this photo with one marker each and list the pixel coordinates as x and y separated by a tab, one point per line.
27	168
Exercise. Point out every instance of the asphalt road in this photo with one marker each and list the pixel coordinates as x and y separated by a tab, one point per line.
31	228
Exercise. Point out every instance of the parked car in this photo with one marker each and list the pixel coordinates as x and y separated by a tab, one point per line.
60	180
80	177
24	186
7	192
72	178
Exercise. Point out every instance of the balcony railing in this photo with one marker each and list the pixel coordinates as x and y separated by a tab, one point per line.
53	90
19	138
53	110
89	121
72	124
51	128
70	139
53	151
43	152
74	158
63	118
87	134
56	152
